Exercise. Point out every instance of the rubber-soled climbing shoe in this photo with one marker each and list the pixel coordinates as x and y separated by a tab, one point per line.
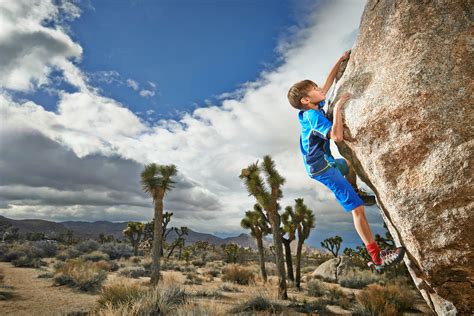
389	257
366	197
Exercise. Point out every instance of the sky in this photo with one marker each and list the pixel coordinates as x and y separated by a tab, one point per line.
91	91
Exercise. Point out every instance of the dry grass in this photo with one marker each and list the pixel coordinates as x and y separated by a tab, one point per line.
384	300
358	279
85	275
125	297
238	274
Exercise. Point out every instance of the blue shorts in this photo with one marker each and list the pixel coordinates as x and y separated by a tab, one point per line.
333	179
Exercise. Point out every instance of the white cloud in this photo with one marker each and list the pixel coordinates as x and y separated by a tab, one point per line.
133	84
147	93
211	145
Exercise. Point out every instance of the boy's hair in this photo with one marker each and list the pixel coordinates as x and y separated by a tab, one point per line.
300	90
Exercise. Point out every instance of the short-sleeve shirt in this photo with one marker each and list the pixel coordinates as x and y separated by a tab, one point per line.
314	140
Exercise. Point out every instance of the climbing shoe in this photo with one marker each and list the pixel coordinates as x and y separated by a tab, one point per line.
389	257
366	197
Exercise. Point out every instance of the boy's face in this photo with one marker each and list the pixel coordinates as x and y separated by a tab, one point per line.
315	95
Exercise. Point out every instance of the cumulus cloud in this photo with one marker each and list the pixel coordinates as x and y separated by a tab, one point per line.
210	145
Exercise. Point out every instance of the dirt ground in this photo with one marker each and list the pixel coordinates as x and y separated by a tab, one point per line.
37	296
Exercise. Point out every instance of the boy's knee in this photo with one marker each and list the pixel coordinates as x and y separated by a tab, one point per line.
359	211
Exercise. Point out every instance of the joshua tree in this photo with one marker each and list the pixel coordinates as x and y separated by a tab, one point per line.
150	226
289	228
105	238
156	180
332	244
268	199
134	232
255	221
304	219
179	242
231	252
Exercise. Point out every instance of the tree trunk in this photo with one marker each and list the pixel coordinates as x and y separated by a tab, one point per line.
275	223
262	259
157	233
172	248
298	263
289	261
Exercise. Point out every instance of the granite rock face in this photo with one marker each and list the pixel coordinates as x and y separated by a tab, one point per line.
409	134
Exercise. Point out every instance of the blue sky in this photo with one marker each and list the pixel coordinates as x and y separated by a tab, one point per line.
191	51
92	91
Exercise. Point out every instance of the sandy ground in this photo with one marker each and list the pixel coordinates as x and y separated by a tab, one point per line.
37	296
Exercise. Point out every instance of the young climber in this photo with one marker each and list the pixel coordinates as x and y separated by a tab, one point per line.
316	132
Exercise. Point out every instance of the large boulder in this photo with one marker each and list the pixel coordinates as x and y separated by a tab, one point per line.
334	269
409	133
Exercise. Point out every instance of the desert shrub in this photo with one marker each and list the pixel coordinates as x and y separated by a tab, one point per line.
257	303
212	272
336	296
358	279
87	276
6	292
316	288
134	272
110	266
199	308
17	250
69	253
88	245
167	265
27	261
117	250
229	287
3	250
237	274
192	278
44	249
121	292
216	294
95	256
306	307
124	298
383	300
198	263
13	254
45	275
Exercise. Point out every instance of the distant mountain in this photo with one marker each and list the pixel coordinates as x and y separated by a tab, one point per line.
93	229
35	225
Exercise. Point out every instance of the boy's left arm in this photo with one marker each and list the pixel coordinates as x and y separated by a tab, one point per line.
333	73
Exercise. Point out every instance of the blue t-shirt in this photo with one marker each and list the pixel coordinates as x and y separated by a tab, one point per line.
314	140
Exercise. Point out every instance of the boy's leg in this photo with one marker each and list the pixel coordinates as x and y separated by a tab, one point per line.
351	176
363	229
351	202
379	258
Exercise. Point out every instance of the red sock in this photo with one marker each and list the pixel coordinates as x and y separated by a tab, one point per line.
374	252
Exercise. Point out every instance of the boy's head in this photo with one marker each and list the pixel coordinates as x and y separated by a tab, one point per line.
305	95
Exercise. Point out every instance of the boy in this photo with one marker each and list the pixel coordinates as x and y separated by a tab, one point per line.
316	131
